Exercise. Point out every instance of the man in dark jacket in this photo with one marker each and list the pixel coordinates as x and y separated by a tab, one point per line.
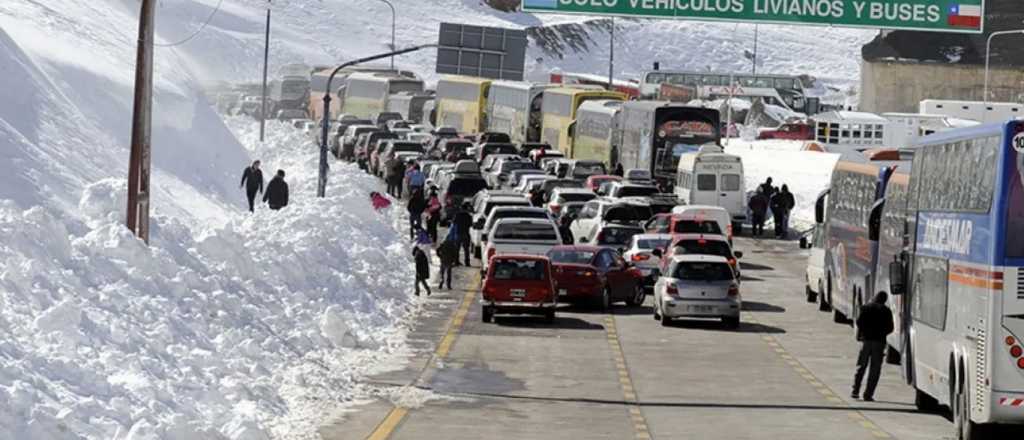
758	212
389	175
767	189
788	203
398	174
448	253
417	204
873	325
277	192
464	220
778	207
252	180
422	269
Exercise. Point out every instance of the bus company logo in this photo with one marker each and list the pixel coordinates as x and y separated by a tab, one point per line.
948	235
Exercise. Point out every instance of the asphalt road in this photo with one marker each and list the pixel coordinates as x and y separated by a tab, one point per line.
784	374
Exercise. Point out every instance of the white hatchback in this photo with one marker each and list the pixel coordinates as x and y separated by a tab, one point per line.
698	286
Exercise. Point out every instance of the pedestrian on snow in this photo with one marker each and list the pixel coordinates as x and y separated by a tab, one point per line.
416	205
788	203
619	171
758	212
464	220
277	192
379	201
397	174
874	324
778	207
767	189
252	180
416	178
448	253
422	269
389	175
433	213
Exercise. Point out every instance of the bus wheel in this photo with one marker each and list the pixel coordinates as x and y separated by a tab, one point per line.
966	429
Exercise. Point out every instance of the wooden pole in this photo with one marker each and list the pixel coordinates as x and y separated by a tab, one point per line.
139	160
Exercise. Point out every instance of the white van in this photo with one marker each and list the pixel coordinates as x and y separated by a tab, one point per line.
712	177
716	213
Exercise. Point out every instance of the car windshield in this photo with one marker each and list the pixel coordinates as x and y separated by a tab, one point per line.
526	270
576	197
526	231
617	236
588	169
571	256
637	191
466	187
652	243
703	247
508	166
696	227
408	146
703	271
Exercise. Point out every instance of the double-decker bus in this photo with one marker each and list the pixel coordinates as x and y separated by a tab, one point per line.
960	272
513	107
559	108
366	94
461	102
593	133
654	134
782	90
851	252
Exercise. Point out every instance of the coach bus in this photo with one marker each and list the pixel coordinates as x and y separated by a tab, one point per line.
961	273
318	86
782	90
593	132
559	108
366	94
654	134
461	102
513	107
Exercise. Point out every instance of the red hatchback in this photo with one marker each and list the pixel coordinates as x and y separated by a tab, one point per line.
595	274
519	284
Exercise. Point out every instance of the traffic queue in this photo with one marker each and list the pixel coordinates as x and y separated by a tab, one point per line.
549	230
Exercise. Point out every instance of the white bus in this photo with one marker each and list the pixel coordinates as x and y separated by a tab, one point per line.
513	107
709	176
786	91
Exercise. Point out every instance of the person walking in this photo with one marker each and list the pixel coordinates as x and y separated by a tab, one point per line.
618	171
422	269
252	180
433	213
758	212
416	206
788	203
448	253
873	325
389	175
416	178
276	196
464	220
767	189
397	174
777	205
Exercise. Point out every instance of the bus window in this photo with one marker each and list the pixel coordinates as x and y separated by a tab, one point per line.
785	83
655	78
706	182
931	291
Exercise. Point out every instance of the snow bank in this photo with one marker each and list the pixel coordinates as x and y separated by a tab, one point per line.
807	173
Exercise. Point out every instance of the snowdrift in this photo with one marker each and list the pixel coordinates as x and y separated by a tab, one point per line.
230	325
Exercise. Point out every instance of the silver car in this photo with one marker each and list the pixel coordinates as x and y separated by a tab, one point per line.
645	251
698	286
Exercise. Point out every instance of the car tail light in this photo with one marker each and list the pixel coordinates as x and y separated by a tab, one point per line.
1020	363
1016	351
640	257
490	253
584	273
732	262
734	291
672	290
1010	340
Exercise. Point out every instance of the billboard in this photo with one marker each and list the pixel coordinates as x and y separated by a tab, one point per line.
486	52
964	16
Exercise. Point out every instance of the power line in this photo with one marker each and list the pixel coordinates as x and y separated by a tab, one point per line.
198	31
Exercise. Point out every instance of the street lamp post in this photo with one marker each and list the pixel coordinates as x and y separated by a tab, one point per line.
988	52
392	30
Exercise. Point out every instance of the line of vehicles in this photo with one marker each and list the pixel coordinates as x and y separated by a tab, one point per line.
940	226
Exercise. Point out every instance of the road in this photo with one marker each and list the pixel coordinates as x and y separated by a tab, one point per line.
785	373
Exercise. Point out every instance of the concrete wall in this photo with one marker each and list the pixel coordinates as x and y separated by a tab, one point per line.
889	86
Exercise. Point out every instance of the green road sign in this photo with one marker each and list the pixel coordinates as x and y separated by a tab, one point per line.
922	15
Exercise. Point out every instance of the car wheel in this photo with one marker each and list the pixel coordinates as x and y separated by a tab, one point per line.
665	320
731	322
638	296
606	300
823	304
487	314
838	317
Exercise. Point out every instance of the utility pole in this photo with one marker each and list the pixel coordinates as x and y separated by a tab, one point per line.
392	31
611	57
266	57
139	158
754	58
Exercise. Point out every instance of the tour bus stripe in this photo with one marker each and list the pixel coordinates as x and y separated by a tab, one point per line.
976	282
980	273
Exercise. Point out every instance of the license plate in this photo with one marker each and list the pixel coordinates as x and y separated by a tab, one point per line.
562	292
518	293
700	309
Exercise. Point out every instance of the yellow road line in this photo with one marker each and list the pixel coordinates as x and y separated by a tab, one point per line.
640	429
387	427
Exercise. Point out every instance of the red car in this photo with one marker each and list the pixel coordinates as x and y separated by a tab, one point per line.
594	182
793	131
597	275
519	284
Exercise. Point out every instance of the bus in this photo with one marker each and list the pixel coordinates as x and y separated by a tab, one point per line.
710	176
851	252
558	111
409	104
318	86
652	135
630	87
461	102
785	91
513	107
289	93
960	272
593	132
367	94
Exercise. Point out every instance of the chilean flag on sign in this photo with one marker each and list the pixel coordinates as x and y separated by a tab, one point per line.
964	16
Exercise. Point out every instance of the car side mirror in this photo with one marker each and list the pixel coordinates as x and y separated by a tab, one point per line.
738	254
803	243
897	278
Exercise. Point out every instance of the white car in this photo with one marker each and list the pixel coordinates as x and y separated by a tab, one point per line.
599	211
531	180
522	237
641	252
815	273
619	190
562	196
483	229
698	286
717	213
483	207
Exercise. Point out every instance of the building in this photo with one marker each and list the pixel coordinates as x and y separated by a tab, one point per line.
900	69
